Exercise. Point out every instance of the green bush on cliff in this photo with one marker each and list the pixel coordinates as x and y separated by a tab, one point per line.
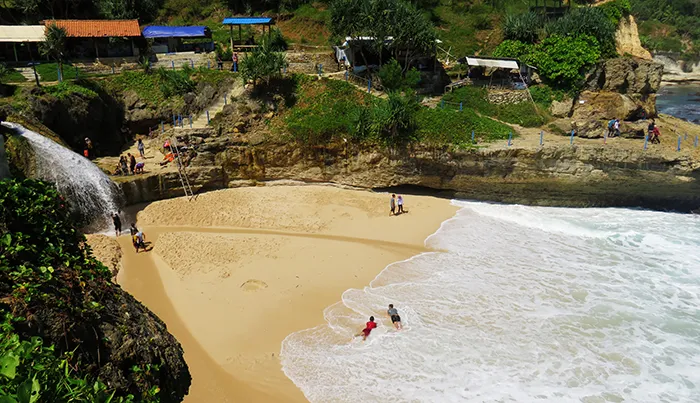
562	60
616	9
67	88
476	98
446	126
56	304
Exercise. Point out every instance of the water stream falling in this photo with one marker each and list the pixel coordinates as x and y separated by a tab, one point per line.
90	192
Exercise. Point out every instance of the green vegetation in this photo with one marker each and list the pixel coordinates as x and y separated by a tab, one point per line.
262	64
157	88
670	25
392	77
522	28
328	110
587	21
476	99
411	30
617	9
48	72
66	88
41	256
10	75
55	45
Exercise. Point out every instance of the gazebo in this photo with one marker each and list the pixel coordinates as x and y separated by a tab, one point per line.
240	21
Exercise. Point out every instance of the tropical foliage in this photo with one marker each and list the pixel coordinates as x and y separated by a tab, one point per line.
55	44
588	21
522	27
263	63
393	78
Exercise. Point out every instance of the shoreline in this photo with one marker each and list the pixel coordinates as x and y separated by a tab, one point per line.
268	268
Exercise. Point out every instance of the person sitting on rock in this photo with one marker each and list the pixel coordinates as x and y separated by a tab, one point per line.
169	157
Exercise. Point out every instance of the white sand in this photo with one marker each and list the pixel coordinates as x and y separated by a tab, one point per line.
236	271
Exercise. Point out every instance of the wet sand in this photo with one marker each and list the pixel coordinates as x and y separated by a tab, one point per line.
236	271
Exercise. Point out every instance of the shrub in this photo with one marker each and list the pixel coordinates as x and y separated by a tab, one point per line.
263	63
562	60
617	9
277	42
513	49
392	77
588	21
65	89
394	119
444	126
523	27
476	98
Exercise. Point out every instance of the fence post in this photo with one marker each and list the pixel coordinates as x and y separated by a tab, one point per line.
190	121
541	137
162	127
285	69
679	143
225	102
180	119
77	73
696	141
192	63
174	120
114	71
605	137
460	107
369	85
208	120
685	137
472	136
510	138
172	63
208	64
442	104
646	140
58	71
346	75
572	137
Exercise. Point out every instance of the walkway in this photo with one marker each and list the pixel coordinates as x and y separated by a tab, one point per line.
201	121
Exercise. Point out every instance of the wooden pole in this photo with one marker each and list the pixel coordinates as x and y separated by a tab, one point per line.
14	47
97	52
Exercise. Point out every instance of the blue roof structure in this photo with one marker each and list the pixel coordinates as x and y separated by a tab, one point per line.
157	31
247	20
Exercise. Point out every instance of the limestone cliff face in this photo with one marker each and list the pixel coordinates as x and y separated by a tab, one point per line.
627	39
623	88
548	176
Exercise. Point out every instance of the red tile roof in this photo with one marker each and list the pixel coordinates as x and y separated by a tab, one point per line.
98	28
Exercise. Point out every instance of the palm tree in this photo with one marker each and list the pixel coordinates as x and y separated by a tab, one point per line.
54	45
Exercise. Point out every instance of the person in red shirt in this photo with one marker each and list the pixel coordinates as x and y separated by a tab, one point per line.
368	328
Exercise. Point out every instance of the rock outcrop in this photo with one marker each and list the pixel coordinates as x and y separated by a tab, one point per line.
627	40
554	176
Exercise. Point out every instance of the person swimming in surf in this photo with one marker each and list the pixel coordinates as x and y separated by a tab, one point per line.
368	328
395	318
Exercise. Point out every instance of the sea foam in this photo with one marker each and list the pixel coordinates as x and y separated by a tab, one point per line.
525	304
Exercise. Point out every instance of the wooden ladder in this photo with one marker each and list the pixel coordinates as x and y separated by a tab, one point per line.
181	169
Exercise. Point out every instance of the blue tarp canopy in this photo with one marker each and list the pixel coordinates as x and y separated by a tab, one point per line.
155	31
247	20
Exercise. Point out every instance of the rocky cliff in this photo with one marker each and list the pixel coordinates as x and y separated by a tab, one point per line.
627	40
551	175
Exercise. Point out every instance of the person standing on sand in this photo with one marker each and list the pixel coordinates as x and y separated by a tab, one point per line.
368	328
141	148
132	163
117	223
394	315
133	230
399	201
392	204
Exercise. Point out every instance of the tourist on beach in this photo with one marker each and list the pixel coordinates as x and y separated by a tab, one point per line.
139	241
141	148
117	223
399	202
392	204
395	318
133	230
368	328
132	163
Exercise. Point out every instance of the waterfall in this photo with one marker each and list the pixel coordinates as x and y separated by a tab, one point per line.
90	192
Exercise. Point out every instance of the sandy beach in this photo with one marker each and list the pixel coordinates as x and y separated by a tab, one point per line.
235	271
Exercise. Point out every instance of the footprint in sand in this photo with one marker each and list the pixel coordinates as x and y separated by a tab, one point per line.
253	285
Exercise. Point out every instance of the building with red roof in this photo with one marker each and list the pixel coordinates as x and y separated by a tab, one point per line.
95	38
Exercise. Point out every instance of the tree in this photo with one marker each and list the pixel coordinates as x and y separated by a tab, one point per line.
412	32
392	77
563	59
54	45
263	63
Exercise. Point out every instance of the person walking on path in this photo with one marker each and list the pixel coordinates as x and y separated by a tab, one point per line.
611	127
368	328
392	204
399	201
132	163
117	223
616	128
141	148
234	58
395	318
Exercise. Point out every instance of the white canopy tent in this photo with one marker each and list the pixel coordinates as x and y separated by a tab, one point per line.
510	64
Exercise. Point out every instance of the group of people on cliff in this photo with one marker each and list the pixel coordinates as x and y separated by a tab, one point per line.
653	132
127	163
